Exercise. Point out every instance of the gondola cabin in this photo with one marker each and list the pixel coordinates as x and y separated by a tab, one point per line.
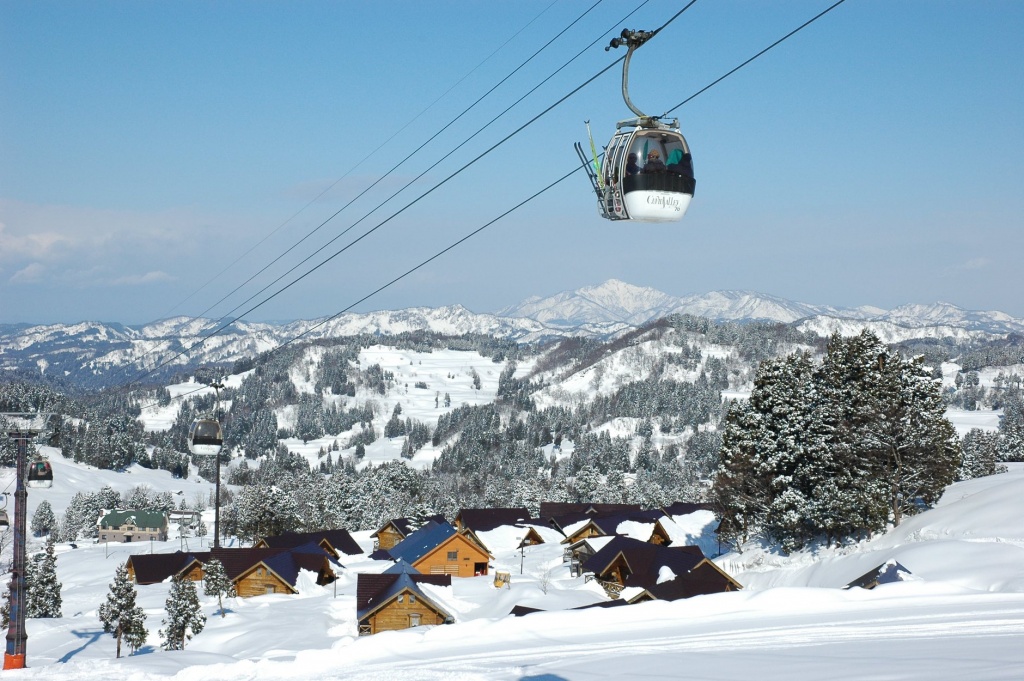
205	437
647	173
40	474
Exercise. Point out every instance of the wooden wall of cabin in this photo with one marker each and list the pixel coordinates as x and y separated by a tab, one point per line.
388	537
257	582
395	615
468	558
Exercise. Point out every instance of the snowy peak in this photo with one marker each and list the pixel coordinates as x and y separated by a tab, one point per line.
617	301
612	301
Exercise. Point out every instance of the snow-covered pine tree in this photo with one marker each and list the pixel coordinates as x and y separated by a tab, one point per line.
980	455
216	583
43	519
184	618
43	599
121	617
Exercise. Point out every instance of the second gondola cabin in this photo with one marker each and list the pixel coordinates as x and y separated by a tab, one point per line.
647	173
205	437
40	474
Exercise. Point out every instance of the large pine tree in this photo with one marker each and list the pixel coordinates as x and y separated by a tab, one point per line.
120	616
836	450
185	617
43	590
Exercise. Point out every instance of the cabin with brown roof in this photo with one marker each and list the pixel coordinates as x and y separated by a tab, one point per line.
333	542
157	567
260	571
252	571
397	529
487	519
440	549
625	562
394	600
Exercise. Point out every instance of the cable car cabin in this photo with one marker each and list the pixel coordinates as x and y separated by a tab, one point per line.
40	474
205	437
5	521
647	173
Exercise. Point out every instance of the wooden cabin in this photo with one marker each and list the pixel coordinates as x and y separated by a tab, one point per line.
394	600
440	549
625	562
154	568
333	542
397	529
261	571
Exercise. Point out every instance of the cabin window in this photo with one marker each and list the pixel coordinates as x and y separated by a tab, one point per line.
270	588
412	598
414	619
401	598
453	555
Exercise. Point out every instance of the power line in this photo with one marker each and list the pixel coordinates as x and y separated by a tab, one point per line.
377	181
533	196
780	40
411	203
353	168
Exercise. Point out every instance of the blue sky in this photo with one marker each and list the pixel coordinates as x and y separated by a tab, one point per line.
154	156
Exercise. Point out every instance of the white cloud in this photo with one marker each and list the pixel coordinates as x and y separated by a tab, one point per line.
142	279
975	264
33	274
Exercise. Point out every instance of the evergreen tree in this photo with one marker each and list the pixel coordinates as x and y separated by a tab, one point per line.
43	598
120	616
184	618
43	519
980	455
216	583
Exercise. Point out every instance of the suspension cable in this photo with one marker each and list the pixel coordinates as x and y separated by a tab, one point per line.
780	40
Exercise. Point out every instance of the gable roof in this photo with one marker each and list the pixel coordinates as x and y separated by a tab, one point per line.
705	578
285	562
887	573
153	568
338	540
553	509
407	526
487	519
375	591
645	560
139	518
422	541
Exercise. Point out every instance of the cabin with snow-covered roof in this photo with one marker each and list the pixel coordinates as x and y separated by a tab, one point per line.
440	549
396	599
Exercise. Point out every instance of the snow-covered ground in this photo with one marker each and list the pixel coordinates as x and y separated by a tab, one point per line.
959	616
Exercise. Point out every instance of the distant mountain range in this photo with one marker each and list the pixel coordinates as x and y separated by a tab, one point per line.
101	350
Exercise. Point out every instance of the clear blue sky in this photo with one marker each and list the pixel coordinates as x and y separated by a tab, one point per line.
875	158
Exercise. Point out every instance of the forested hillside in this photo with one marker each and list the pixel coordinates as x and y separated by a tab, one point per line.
353	431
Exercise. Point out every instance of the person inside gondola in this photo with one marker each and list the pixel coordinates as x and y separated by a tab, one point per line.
654	162
680	163
632	167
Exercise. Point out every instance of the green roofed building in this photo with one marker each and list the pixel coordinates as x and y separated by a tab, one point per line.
133	526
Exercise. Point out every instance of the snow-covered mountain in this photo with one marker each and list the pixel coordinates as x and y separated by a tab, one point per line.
618	301
89	351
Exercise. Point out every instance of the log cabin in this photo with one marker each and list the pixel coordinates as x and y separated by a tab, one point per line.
440	549
395	600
